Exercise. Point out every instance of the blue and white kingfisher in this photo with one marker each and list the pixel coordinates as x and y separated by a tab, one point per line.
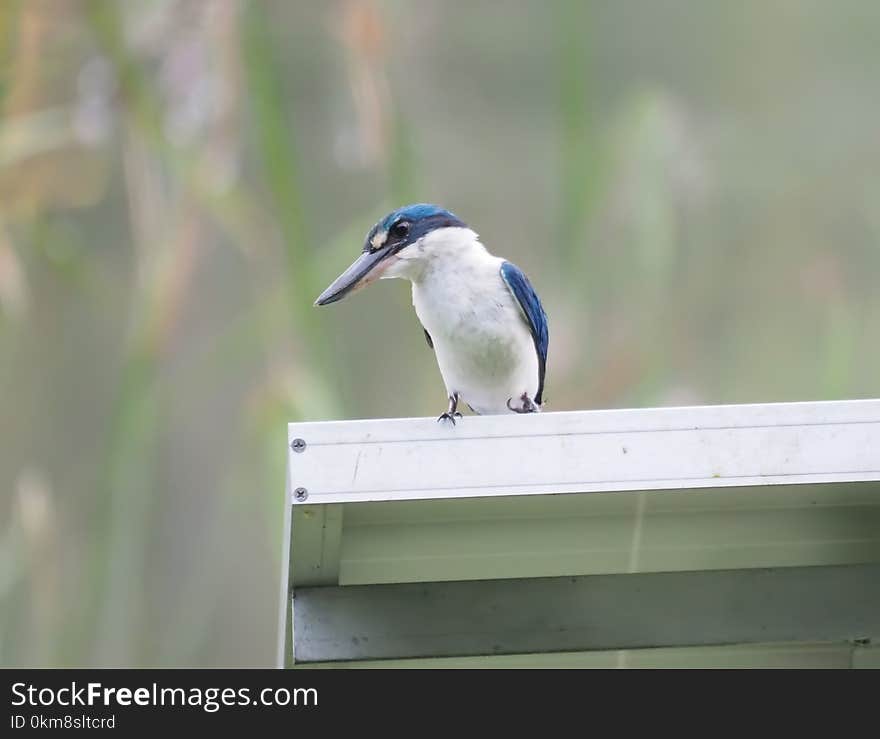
479	312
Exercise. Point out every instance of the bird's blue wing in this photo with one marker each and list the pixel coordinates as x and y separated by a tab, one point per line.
534	314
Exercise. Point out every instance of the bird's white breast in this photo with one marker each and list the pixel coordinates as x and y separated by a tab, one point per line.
483	345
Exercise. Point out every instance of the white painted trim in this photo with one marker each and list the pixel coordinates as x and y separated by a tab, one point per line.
587	451
284	606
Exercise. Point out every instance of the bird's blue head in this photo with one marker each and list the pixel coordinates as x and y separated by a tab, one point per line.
394	232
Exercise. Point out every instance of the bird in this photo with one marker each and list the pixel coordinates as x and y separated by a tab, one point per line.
479	312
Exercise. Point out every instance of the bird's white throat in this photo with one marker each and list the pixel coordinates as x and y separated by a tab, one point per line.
441	254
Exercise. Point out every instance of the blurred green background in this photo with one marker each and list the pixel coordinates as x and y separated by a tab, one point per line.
692	187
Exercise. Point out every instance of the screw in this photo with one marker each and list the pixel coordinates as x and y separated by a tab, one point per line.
300	494
298	445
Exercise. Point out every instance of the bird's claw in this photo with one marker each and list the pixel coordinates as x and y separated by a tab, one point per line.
528	405
449	417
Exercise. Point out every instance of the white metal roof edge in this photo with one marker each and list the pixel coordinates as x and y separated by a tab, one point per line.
586	451
630	420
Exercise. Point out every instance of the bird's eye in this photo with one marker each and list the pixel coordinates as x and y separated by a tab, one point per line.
399	230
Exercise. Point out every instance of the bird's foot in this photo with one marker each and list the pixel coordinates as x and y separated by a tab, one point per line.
528	405
449	417
451	412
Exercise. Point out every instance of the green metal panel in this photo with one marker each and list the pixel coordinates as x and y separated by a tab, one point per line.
600	533
596	612
866	657
314	555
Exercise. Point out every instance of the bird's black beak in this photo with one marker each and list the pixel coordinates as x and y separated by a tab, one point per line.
367	268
